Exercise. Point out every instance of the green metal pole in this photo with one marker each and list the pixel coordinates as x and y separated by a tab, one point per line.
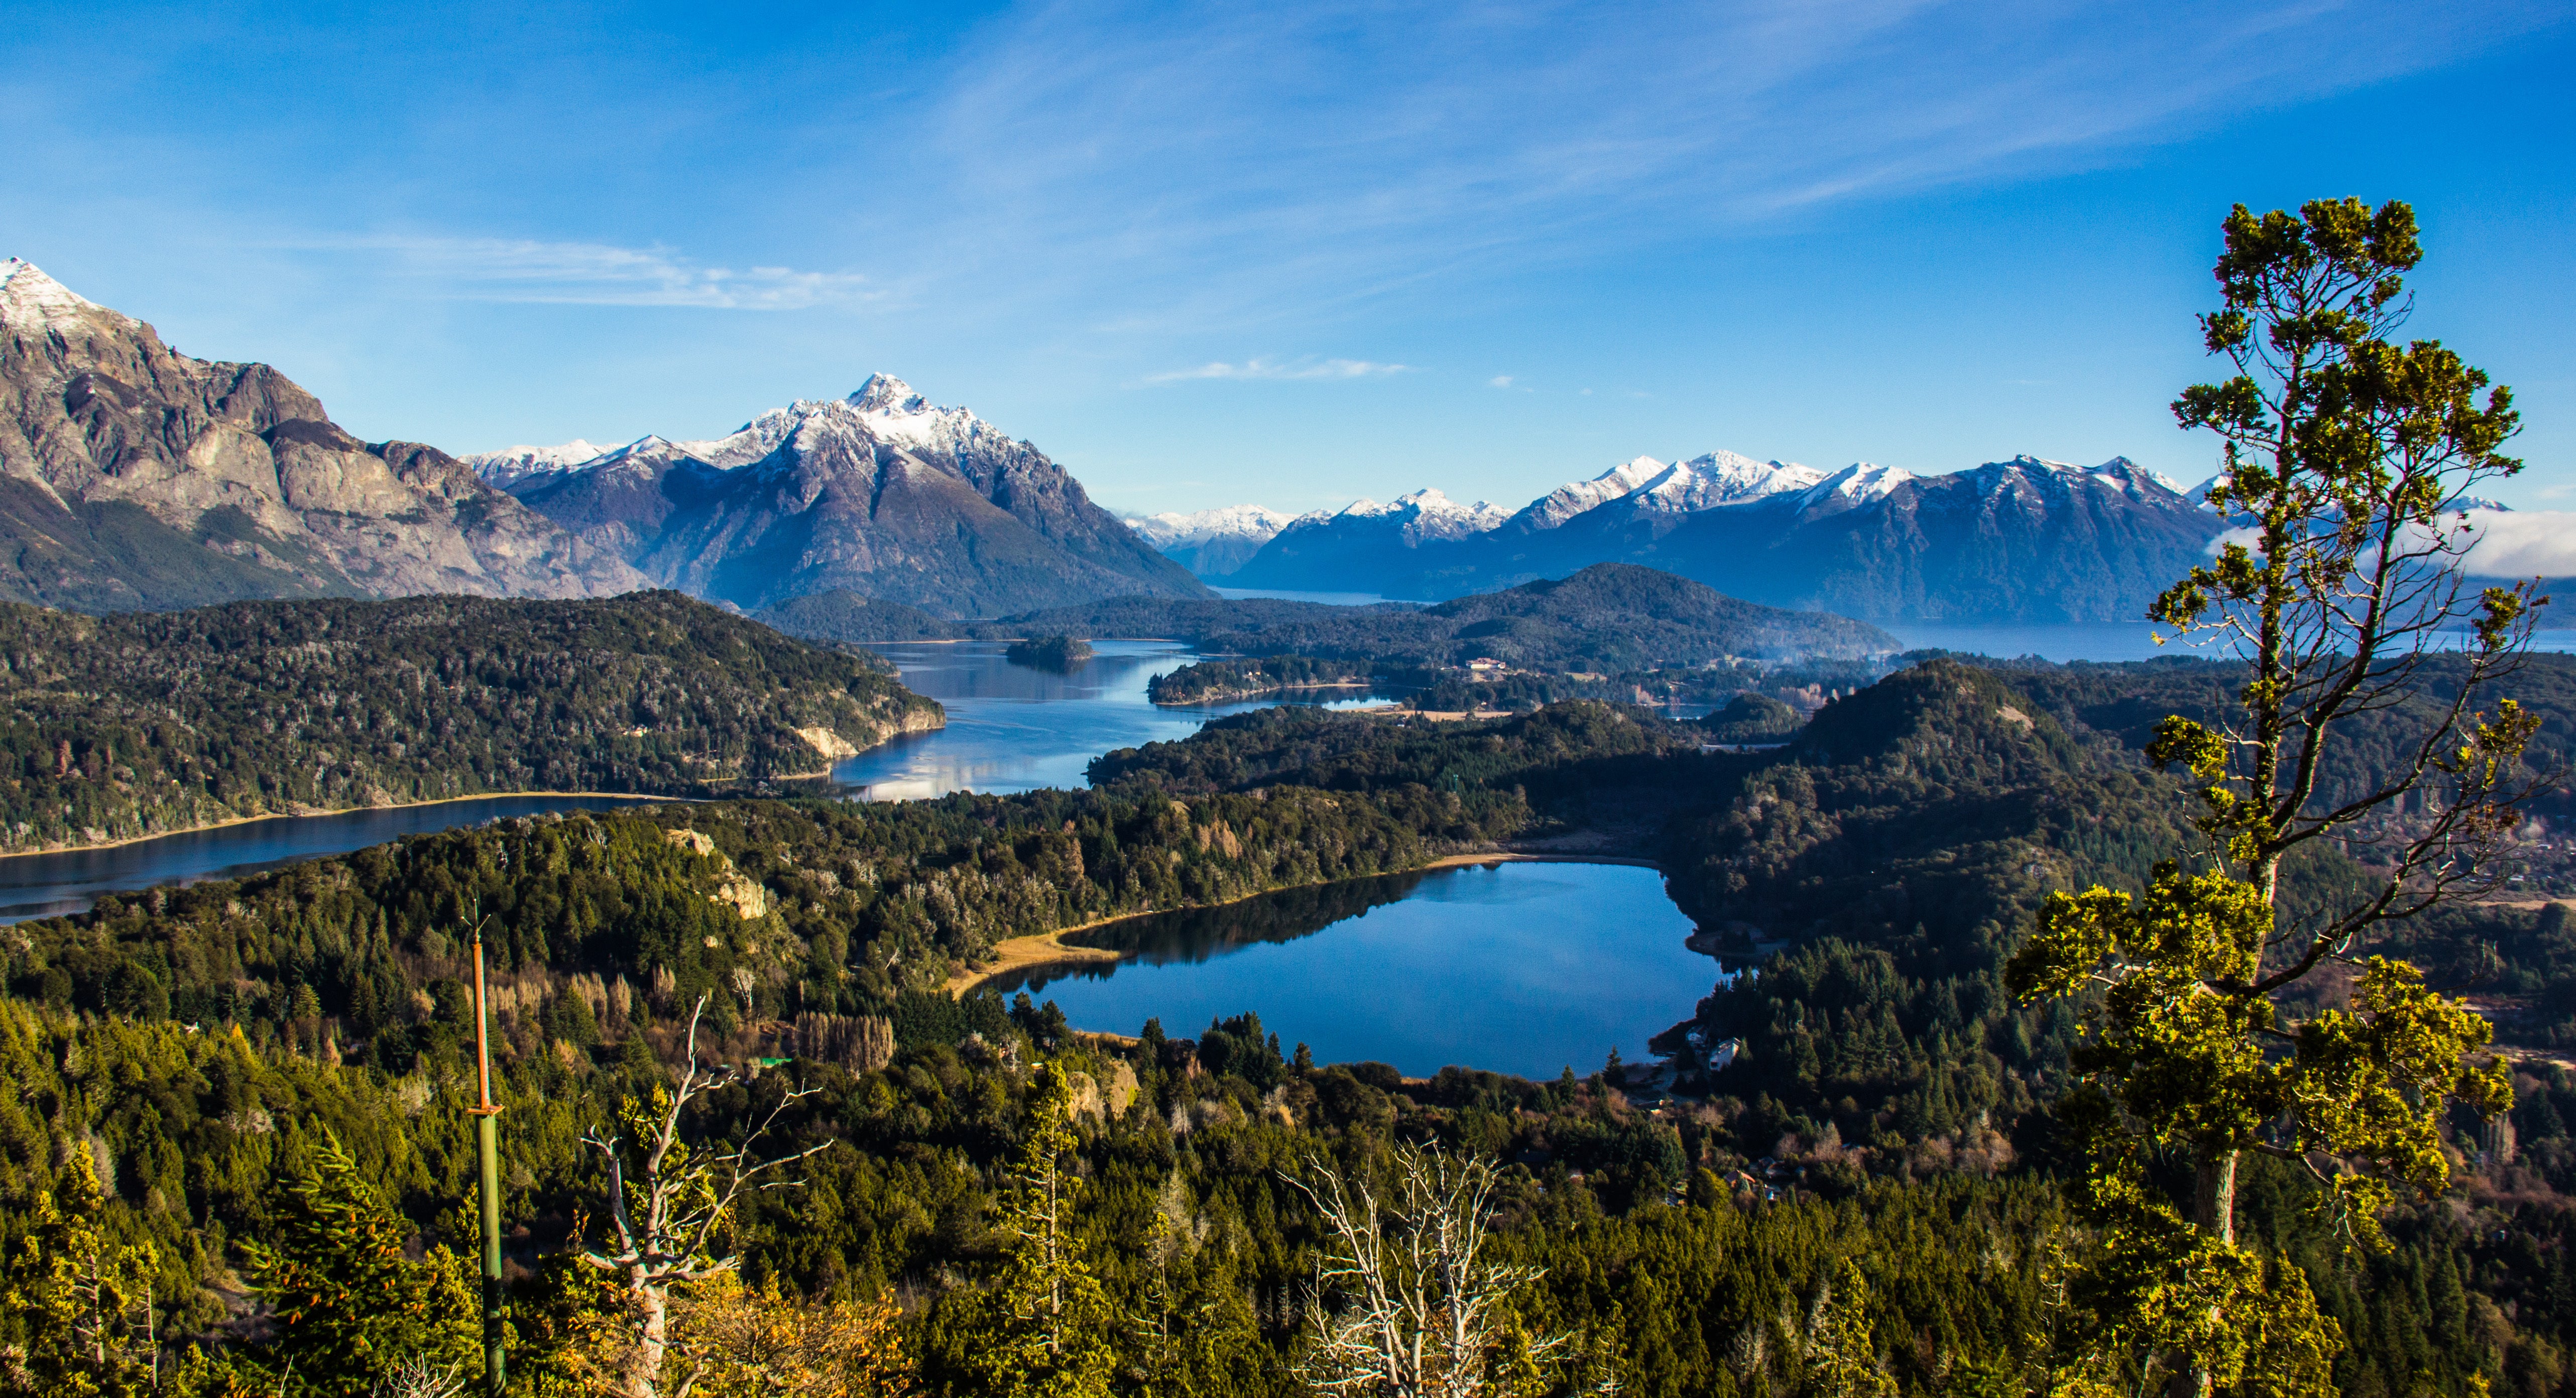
487	1129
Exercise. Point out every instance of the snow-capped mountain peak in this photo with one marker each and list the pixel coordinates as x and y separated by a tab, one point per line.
1575	497
1172	527
1725	478
1424	514
751	441
884	393
30	298
1684	487
884	407
510	465
1852	486
893	411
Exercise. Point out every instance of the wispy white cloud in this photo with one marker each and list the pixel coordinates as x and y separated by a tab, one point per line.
1266	369
598	274
2502	543
2524	544
1212	162
1500	381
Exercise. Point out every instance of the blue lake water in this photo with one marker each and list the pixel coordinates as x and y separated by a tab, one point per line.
48	885
1010	728
1331	599
1018	728
1525	968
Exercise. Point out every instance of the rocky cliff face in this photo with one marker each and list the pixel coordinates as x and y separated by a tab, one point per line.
133	476
879	493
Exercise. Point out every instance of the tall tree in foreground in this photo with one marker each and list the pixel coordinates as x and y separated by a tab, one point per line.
670	1204
2345	596
1043	1330
352	1312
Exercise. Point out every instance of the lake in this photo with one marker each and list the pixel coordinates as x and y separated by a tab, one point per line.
1519	967
1010	728
1018	728
68	881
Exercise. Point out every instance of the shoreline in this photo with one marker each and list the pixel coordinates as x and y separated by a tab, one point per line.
339	811
1237	696
1048	948
824	775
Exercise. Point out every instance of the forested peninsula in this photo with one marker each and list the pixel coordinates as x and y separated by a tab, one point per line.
137	724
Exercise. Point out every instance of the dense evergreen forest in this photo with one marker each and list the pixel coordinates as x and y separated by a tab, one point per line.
137	723
1223	681
1868	1185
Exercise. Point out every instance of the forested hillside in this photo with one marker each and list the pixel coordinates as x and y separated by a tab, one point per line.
136	723
1610	617
1868	1183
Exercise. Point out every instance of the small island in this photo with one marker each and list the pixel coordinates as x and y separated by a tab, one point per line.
1049	652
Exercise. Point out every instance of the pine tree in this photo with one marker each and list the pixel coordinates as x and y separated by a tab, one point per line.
2345	455
1045	1325
87	1303
1842	1348
351	1309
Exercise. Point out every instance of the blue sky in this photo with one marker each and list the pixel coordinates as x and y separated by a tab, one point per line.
1288	254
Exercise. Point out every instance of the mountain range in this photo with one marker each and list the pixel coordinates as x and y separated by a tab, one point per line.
880	493
1210	543
136	477
2026	540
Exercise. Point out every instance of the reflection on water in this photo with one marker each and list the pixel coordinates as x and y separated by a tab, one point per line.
1018	728
1194	935
48	885
1522	968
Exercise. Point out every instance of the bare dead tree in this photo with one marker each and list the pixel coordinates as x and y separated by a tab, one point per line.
419	1376
1409	1302
669	1201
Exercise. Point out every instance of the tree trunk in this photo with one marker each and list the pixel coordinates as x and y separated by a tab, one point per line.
643	1368
2213	1212
2213	1196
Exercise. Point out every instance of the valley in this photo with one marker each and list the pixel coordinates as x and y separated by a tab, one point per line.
1800	1008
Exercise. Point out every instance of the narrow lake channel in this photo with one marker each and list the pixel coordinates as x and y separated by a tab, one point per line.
1016	728
1011	728
68	881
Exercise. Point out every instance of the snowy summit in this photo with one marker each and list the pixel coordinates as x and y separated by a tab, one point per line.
29	298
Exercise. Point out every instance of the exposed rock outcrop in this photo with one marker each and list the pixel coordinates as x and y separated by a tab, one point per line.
133	476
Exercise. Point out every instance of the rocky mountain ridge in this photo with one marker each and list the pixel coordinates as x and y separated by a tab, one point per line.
136	477
881	493
2027	540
